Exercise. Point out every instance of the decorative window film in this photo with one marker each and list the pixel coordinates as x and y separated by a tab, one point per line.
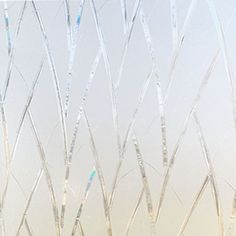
117	118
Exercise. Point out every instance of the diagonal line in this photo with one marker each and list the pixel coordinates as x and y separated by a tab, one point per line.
124	14
182	134
134	213
75	132
100	176
223	48
84	199
42	154
10	157
47	174
55	78
145	185
28	202
152	53
194	205
12	51
211	175
128	35
177	50
174	23
232	217
7	26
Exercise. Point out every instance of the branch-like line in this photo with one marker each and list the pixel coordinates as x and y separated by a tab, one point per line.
55	78
232	216
124	14
145	185
19	129
127	136
6	18
41	149
74	45
84	199
112	96
12	51
33	190
47	175
223	48
182	134
75	132
129	30
2	106
10	157
134	213
177	50
174	23
194	205
70	48
100	176
152	53
211	175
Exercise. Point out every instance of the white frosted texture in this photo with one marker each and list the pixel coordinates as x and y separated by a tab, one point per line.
118	118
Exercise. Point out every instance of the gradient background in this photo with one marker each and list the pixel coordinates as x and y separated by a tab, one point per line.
214	112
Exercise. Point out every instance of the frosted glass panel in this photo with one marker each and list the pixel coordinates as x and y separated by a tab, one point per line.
117	118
